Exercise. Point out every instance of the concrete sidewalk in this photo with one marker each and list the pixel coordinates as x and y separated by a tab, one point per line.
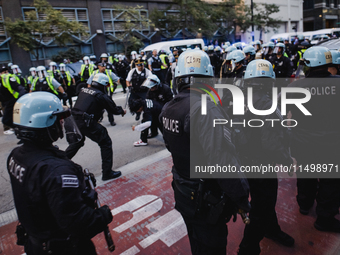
145	221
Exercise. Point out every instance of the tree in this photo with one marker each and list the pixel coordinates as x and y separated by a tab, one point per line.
262	19
72	54
42	24
130	22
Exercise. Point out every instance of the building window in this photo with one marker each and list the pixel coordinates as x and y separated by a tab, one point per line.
73	14
5	53
308	4
335	4
113	23
327	3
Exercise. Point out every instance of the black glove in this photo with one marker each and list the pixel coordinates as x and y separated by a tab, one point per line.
240	205
105	210
64	95
90	197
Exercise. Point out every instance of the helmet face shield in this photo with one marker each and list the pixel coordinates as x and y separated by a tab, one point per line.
33	73
62	68
278	50
73	134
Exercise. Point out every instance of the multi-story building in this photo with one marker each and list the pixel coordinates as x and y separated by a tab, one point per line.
319	14
290	14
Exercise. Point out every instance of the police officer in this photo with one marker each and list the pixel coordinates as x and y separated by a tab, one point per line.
134	82
122	68
17	74
87	111
298	57
288	48
265	145
214	59
268	52
10	91
43	82
113	80
48	190
238	58
68	84
86	69
133	58
155	65
258	49
157	92
282	66
316	138
104	58
227	66
151	110
334	68
187	133
166	63
249	51
54	72
30	78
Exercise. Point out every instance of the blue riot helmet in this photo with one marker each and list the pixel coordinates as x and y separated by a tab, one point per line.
317	56
257	45
227	43
38	116
224	47
100	81
269	48
217	49
335	57
228	51
210	47
301	37
192	63
238	56
259	74
238	46
249	50
205	48
279	40
279	49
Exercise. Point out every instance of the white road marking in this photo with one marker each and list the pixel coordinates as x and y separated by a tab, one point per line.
169	228
132	251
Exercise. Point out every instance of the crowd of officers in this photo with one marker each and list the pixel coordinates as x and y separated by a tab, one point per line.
164	96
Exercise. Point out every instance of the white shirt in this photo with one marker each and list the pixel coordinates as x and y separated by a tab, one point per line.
147	73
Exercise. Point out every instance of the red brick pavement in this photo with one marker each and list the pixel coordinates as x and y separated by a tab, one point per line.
150	225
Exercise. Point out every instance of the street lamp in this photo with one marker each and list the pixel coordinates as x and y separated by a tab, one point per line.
252	20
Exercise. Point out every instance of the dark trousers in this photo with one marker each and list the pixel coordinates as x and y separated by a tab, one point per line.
159	74
123	82
82	247
98	134
262	215
110	115
155	124
326	192
7	118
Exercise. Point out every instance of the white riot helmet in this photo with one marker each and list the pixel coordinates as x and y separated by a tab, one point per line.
133	54
15	69
53	66
62	67
86	60
104	55
33	71
41	71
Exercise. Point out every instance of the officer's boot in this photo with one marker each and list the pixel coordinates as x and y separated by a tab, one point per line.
328	224
111	175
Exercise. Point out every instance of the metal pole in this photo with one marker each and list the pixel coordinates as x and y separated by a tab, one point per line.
252	20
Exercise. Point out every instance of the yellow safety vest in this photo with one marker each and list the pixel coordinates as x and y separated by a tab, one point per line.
7	85
83	70
110	79
49	83
50	73
68	77
162	57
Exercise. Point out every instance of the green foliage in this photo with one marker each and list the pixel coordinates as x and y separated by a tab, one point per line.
130	22
72	54
42	25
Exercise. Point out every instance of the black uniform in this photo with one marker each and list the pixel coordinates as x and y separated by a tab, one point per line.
87	111
137	91
48	196
151	111
162	95
316	140
207	235
122	68
215	62
156	66
283	69
265	145
8	100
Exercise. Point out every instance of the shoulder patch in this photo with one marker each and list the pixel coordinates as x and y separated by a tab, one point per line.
69	181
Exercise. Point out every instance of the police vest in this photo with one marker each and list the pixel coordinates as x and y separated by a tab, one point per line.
30	79
156	63
137	80
7	85
68	78
162	57
87	102
51	73
44	85
86	71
